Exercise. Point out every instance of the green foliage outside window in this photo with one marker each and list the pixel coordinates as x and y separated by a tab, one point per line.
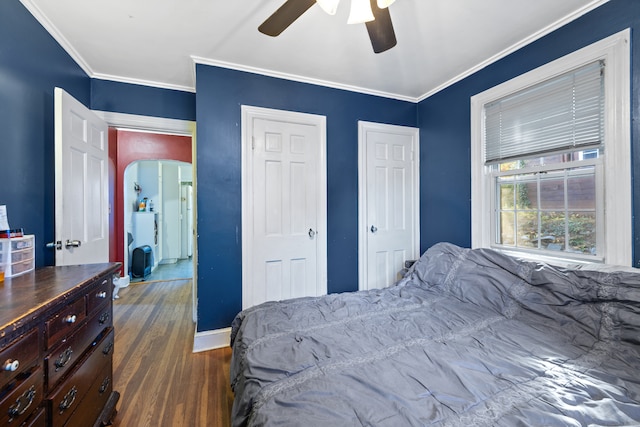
554	229
523	225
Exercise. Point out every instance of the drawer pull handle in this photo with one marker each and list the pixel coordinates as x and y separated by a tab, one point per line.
68	399
104	282
11	365
22	403
63	359
104	385
107	348
70	318
104	318
101	295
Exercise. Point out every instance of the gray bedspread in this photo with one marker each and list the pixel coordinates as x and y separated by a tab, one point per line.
468	338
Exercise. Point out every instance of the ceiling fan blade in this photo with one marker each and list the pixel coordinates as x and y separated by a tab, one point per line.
285	16
381	32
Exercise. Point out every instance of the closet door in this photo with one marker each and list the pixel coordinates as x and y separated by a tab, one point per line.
389	202
284	245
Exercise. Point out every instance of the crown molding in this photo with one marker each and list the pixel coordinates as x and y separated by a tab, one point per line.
66	45
57	35
519	45
298	78
150	83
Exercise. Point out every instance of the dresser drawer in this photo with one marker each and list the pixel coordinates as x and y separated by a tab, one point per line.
18	356
61	359
39	419
64	322
66	398
91	406
100	295
21	397
56	347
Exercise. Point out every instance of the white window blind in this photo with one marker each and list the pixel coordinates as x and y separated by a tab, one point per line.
560	114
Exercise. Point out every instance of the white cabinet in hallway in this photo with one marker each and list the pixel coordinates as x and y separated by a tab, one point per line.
145	232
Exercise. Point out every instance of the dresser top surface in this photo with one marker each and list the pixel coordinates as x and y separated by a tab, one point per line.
23	296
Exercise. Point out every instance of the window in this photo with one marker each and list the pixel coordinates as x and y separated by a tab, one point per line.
541	205
551	173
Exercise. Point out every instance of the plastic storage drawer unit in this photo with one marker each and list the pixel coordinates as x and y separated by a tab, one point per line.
17	255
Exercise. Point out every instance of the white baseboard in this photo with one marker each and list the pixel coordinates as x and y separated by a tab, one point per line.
210	340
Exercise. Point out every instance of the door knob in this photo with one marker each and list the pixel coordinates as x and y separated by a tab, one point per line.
72	244
374	229
312	233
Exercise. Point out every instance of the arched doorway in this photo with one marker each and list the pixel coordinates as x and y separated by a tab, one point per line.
128	147
158	206
123	151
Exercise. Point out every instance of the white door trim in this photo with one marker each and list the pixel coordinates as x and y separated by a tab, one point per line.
363	230
248	114
147	123
134	122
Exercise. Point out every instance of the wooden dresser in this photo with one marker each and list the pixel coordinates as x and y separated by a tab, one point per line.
56	347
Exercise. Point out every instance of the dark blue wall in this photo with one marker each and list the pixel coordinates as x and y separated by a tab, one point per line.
127	98
445	128
32	63
221	92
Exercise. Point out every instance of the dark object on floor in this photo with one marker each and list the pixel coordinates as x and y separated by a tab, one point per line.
141	261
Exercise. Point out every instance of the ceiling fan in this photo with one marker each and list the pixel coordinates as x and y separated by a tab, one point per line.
374	13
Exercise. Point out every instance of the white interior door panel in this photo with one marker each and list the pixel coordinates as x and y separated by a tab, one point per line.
81	183
284	212
389	200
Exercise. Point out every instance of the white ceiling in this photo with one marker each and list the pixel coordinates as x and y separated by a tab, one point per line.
157	42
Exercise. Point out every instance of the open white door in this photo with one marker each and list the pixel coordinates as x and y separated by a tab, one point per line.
81	183
389	231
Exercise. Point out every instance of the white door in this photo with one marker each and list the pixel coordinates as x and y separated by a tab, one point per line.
284	206
389	202
81	183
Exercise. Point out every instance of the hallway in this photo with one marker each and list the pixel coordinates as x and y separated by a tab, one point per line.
183	269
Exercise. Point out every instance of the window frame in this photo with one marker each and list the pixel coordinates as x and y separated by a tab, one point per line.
536	171
617	206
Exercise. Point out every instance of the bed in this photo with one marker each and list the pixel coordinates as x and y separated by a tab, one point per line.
469	337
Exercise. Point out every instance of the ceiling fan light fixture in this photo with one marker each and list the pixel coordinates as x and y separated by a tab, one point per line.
385	3
360	12
329	6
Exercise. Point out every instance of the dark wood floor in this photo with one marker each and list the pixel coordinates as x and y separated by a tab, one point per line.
161	382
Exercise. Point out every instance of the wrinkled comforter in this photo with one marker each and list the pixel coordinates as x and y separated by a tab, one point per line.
467	338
